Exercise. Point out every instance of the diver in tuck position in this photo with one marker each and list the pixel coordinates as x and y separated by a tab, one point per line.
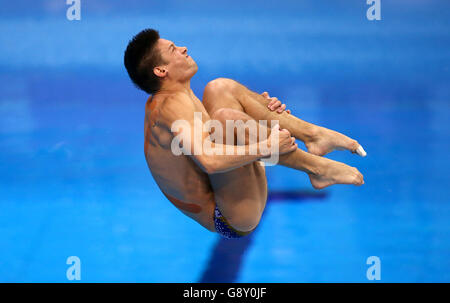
224	192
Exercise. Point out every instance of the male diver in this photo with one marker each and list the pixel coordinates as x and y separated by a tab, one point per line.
225	193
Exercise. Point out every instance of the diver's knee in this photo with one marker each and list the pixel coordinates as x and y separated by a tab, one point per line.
223	114
220	86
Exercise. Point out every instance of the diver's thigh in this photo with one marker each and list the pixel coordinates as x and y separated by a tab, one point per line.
241	195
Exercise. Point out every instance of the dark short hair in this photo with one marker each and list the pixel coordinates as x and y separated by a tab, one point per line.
141	56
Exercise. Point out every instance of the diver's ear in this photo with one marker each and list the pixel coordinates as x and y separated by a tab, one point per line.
160	71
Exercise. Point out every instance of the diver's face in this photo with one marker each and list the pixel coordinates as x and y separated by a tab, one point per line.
178	63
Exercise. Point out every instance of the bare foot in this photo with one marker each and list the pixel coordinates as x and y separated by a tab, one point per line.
333	172
326	140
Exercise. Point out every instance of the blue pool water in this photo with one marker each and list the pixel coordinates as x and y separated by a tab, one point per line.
73	177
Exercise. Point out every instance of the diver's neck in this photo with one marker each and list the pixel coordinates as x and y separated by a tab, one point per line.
176	87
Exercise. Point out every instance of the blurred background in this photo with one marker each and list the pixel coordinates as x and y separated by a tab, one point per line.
73	177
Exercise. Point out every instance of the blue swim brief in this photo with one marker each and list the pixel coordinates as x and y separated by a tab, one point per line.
224	229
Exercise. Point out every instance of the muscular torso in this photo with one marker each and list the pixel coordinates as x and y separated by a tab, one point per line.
180	179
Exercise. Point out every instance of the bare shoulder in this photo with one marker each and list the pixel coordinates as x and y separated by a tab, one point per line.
176	106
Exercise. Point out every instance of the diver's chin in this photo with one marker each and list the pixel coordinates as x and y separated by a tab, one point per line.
193	71
195	67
